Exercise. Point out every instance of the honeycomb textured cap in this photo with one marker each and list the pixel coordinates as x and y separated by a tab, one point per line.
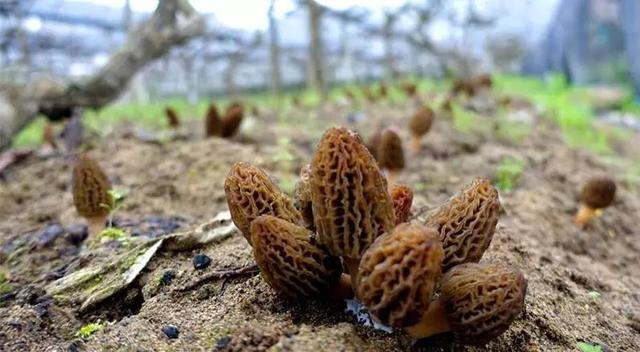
351	206
399	273
90	188
373	143
289	259
466	223
251	193
402	198
390	152
421	121
482	300
599	192
302	196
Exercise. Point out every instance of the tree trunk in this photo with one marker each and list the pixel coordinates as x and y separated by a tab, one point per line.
274	51
629	15
174	22
316	78
387	38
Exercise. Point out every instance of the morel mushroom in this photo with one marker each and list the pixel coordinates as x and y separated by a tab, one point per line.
91	193
409	89
466	223
398	274
391	155
477	303
172	117
291	262
402	198
373	143
597	193
232	120
213	125
302	197
419	125
351	206
251	193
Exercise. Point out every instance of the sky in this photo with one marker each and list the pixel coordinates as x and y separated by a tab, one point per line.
246	14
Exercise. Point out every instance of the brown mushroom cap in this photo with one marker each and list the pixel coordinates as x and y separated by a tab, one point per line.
398	274
90	188
482	300
402	197
374	143
232	120
421	121
289	260
213	126
466	223
598	192
251	193
302	196
390	152
351	206
172	117
409	88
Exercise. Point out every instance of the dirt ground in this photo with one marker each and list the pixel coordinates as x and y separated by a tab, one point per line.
583	284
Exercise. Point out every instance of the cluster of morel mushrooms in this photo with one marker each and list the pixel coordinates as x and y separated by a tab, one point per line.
346	233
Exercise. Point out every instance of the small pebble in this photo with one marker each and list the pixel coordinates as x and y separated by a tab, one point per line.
76	234
201	261
223	342
167	277
171	331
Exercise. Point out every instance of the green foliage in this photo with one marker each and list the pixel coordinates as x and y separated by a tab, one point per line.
114	233
587	347
5	286
594	294
508	173
87	330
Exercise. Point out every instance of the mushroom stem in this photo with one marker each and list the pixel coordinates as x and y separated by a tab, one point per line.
352	265
415	144
392	177
434	321
342	289
96	225
585	213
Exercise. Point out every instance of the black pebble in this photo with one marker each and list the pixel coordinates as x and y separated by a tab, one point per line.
171	331
167	277
223	342
76	234
49	234
201	261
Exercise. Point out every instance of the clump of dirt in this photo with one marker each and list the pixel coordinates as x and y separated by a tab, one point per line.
582	282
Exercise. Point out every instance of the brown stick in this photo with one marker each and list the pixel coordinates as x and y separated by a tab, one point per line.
219	275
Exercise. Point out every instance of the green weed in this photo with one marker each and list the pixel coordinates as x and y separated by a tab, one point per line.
508	173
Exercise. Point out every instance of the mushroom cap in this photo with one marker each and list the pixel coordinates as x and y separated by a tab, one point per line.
598	192
409	88
374	142
290	261
402	197
398	274
172	117
390	152
90	188
466	223
351	206
482	300
213	126
421	121
302	196
232	120
251	193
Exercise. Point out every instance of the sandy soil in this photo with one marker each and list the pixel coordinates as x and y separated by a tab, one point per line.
583	283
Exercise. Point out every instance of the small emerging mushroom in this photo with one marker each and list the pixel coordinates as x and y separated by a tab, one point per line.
91	193
391	154
172	117
409	88
213	126
351	206
477	303
251	193
302	197
374	142
419	125
292	263
466	223
402	197
597	193
384	92
232	120
398	274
